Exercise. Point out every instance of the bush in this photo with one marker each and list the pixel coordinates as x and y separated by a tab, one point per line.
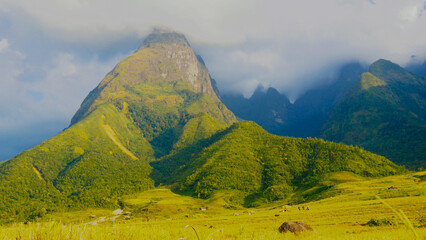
380	222
279	192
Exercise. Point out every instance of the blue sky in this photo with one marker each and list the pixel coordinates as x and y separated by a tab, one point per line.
52	53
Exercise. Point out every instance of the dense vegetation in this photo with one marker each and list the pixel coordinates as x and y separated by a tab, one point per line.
79	167
158	106
384	112
148	106
261	166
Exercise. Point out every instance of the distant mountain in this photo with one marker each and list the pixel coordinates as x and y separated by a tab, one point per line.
261	167
266	107
154	102
419	69
384	112
311	110
274	112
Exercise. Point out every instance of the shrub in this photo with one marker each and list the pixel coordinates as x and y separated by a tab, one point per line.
380	222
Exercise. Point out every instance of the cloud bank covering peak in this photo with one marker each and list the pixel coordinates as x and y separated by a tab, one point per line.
52	53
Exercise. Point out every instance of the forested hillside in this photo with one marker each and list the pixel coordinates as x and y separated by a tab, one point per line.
156	101
261	166
384	112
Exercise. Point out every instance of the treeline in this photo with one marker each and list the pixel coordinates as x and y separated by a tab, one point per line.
248	159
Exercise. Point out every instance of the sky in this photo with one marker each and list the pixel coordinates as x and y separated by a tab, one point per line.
53	52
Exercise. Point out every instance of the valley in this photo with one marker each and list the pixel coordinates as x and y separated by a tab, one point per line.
162	214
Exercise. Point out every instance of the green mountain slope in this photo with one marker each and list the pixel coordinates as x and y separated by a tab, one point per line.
261	166
154	102
90	163
384	112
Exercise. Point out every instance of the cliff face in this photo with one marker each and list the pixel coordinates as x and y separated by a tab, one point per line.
175	50
165	56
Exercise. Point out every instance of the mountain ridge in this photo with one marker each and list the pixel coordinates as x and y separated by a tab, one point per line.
388	104
384	112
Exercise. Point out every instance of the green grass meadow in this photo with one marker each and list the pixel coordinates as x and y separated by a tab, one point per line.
363	209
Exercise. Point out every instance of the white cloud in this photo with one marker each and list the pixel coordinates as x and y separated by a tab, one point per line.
411	13
55	97
264	58
67	82
32	111
3	44
277	42
214	22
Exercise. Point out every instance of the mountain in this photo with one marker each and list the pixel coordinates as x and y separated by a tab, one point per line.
261	167
384	112
311	110
305	117
266	107
163	86
156	119
154	102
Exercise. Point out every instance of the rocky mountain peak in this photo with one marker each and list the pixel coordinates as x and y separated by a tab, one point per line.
164	57
173	52
164	35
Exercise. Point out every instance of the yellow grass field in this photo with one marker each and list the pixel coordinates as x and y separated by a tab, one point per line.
161	214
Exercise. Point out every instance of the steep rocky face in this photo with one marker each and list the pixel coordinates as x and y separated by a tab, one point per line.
164	56
175	49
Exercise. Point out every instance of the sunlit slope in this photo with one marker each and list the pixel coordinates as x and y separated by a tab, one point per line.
163	86
384	112
261	166
154	102
165	57
83	164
